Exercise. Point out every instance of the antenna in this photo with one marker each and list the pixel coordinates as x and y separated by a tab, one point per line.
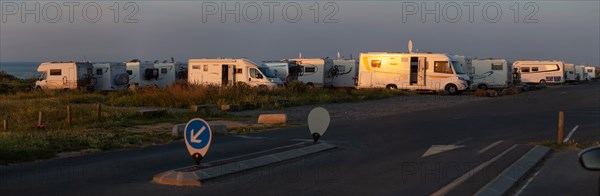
410	46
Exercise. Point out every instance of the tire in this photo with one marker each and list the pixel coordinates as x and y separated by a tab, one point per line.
391	87
543	83
310	85
263	88
38	88
482	86
451	89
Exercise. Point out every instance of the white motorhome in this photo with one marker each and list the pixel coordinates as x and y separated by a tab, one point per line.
492	73
110	76
344	73
65	75
170	73
591	72
466	64
569	73
540	72
582	75
228	72
315	71
411	71
141	74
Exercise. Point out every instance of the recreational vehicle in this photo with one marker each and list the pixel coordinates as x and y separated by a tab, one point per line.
315	72
540	72
344	73
411	71
110	76
65	75
286	71
229	72
466	64
492	73
570	75
581	73
141	74
591	72
169	73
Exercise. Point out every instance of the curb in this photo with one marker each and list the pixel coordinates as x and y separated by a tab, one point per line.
503	183
189	177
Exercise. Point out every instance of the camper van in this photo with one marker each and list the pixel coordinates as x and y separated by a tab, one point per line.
492	73
286	71
314	72
540	72
569	73
582	75
229	72
169	73
466	64
66	76
110	76
591	72
344	73
141	74
411	71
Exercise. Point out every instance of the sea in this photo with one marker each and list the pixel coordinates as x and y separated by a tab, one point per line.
23	70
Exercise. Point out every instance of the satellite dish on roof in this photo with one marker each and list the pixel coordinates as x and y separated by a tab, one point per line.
410	46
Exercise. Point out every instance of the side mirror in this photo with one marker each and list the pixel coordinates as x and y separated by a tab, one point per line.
590	158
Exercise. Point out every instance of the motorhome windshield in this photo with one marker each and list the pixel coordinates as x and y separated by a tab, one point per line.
457	68
267	72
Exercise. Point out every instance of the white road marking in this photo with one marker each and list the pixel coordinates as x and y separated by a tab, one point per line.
571	133
527	183
435	149
470	173
490	146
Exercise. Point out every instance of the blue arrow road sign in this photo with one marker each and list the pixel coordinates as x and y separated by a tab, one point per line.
197	136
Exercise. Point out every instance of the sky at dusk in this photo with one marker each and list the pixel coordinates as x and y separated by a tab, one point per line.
544	30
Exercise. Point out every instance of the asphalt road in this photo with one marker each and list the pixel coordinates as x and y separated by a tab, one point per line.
375	156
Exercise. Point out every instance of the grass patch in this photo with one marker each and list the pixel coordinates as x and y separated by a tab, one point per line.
569	145
23	142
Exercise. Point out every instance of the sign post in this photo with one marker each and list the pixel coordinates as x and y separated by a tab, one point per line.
197	139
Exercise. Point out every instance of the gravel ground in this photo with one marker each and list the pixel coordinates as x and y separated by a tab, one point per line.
370	109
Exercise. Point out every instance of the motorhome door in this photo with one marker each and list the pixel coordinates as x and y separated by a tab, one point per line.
72	78
417	71
224	75
422	72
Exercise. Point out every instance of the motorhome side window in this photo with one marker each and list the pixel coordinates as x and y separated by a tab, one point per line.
129	72
205	67
376	63
163	70
253	73
310	69
524	69
239	71
496	66
534	69
55	72
99	72
442	67
590	71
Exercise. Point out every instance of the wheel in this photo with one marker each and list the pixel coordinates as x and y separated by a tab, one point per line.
451	89
262	88
310	85
391	87
543	83
482	86
38	88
